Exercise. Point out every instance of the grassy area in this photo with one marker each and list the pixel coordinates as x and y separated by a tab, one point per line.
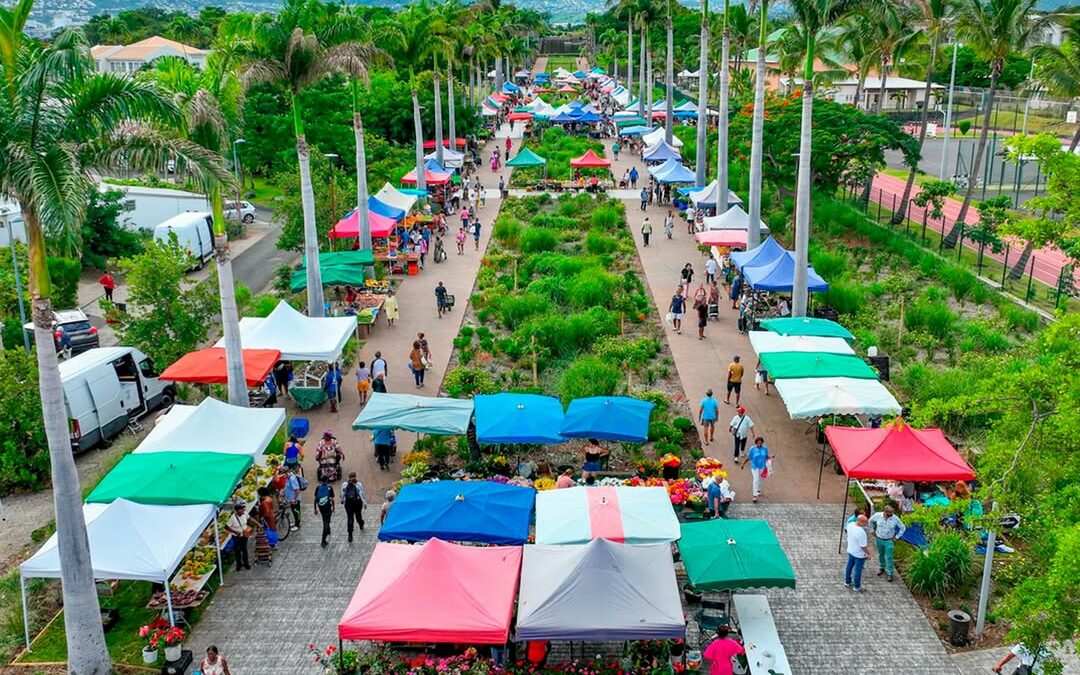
266	192
902	174
558	149
567	61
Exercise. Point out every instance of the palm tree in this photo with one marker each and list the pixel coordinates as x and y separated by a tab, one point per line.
1058	69
413	47
741	29
60	125
753	231
294	50
627	8
933	17
814	16
859	49
112	31
669	77
701	159
211	101
994	29
722	135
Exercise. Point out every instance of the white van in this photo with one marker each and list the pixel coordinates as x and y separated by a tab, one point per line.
194	232
105	389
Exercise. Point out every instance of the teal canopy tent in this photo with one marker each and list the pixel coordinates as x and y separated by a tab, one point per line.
339	268
173	478
422	414
795	365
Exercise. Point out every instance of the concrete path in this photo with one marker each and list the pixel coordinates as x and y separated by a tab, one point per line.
703	363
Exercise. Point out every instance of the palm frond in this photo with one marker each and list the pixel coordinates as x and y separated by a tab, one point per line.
98	105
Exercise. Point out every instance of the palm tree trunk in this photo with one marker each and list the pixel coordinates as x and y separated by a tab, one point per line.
1020	266
450	106
882	77
418	129
86	648
1075	141
311	238
802	206
641	80
361	172
898	217
230	319
630	55
669	92
438	114
859	83
753	230
701	156
649	80
980	149
722	136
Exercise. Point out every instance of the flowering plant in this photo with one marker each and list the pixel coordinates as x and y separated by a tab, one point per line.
542	484
416	457
151	633
500	461
519	481
706	466
498	478
671	461
334	661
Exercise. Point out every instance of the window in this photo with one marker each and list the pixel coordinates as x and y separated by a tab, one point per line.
146	367
129	205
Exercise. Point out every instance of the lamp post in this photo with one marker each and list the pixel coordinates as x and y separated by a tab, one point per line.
948	114
237	174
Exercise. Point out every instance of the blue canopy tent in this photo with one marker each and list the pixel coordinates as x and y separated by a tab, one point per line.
518	418
779	275
588	118
762	254
580	74
634	131
433	165
689	114
612	418
413	192
422	414
511	88
672	171
384	209
574	105
476	511
563	118
661	152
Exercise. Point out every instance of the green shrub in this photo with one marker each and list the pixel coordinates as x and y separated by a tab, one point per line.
606	218
466	382
945	566
844	298
1018	317
516	309
935	317
24	453
507	231
64	273
589	376
553	222
829	264
592	288
659	399
466	332
683	424
596	242
958	279
537	240
553	288
513	349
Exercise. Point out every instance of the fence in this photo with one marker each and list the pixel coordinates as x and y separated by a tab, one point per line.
1015	268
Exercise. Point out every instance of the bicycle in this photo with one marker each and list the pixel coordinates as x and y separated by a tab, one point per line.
284	521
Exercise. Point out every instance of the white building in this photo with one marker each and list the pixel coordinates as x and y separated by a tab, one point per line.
11	222
901	93
130	58
146	207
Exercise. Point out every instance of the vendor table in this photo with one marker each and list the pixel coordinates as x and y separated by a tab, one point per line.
402	263
307	397
764	652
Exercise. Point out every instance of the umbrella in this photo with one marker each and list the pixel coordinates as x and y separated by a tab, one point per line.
613	418
725	555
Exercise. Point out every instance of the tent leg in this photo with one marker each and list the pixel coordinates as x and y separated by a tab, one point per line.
217	549
840	544
821	467
168	600
25	611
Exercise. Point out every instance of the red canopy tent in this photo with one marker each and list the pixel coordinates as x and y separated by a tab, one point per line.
519	116
430	176
566	89
349	226
897	451
207	366
722	238
437	592
590	160
459	142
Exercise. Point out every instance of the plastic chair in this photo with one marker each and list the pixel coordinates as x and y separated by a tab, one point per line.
712	615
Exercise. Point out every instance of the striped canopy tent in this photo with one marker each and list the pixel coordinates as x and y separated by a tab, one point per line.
634	515
390	195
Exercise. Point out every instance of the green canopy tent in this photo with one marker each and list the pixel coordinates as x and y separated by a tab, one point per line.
630	122
726	555
339	268
173	478
796	365
528	158
807	326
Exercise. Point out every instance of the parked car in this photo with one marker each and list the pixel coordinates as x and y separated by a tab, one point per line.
194	232
246	211
83	335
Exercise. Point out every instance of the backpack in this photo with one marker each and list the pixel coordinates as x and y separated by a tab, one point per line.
303	483
352	493
322	495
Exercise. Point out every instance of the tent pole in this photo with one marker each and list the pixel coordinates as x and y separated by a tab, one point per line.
168	600
25	611
820	469
217	549
840	544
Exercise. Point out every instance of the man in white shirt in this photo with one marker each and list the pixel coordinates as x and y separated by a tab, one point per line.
857	553
711	267
1026	658
741	428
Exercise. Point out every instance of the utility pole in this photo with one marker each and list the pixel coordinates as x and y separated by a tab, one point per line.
239	179
948	113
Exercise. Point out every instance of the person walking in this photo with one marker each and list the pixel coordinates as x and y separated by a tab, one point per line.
503	192
669	224
702	318
476	235
676	309
646	230
460	239
291	494
378	366
324	506
735	373
711	268
282	371
686	275
633	180
332	386
384	510
354	501
329	456
440	299
615	150
108	284
887	528
416	364
761	376
758	458
1029	661
390	308
741	427
644	198
363	381
721	651
214	663
237	525
857	552
708	413
424	349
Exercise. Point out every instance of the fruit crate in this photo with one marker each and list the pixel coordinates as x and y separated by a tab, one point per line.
181	583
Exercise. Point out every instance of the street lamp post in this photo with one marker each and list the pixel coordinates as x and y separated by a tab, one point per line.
239	181
948	114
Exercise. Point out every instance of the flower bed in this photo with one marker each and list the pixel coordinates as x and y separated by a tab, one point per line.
558	148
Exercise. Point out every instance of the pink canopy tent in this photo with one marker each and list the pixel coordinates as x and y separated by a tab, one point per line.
349	226
519	116
590	160
897	451
722	238
432	177
566	89
438	592
459	142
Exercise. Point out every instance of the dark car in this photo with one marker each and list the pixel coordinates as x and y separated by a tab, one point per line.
83	335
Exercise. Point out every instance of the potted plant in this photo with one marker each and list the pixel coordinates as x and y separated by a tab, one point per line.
173	637
152	635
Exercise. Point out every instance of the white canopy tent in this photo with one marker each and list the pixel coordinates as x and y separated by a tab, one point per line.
621	95
764	342
657	136
544	109
139	542
562	72
732	219
817	396
236	430
391	196
686	73
708	195
452	159
296	336
599	591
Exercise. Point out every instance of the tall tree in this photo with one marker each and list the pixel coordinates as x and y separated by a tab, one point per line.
669	81
995	29
722	131
701	159
60	124
814	16
412	48
932	16
753	231
295	49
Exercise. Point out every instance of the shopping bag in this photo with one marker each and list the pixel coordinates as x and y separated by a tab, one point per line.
670	318
768	467
757	378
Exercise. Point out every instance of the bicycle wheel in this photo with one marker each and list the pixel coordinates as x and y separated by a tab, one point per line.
284	523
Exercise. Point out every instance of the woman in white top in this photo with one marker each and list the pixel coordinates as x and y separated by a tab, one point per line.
214	664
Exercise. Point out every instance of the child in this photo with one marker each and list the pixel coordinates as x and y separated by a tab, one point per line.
461	241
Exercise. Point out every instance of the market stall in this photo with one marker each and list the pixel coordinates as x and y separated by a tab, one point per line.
634	515
765	342
422	414
128	541
349	226
660	153
724	555
173	478
235	430
207	366
897	451
733	219
721	238
709	196
762	254
658	135
779	275
808	326
298	337
337	268
610	418
816	397
672	171
518	418
483	512
388	194
435	592
590	160
796	365
451	159
599	591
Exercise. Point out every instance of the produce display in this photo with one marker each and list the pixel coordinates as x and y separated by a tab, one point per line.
376	284
369	301
181	599
365	316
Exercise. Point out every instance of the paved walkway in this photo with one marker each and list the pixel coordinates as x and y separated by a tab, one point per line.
703	363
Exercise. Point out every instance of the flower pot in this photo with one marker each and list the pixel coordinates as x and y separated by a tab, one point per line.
670	472
173	652
149	655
